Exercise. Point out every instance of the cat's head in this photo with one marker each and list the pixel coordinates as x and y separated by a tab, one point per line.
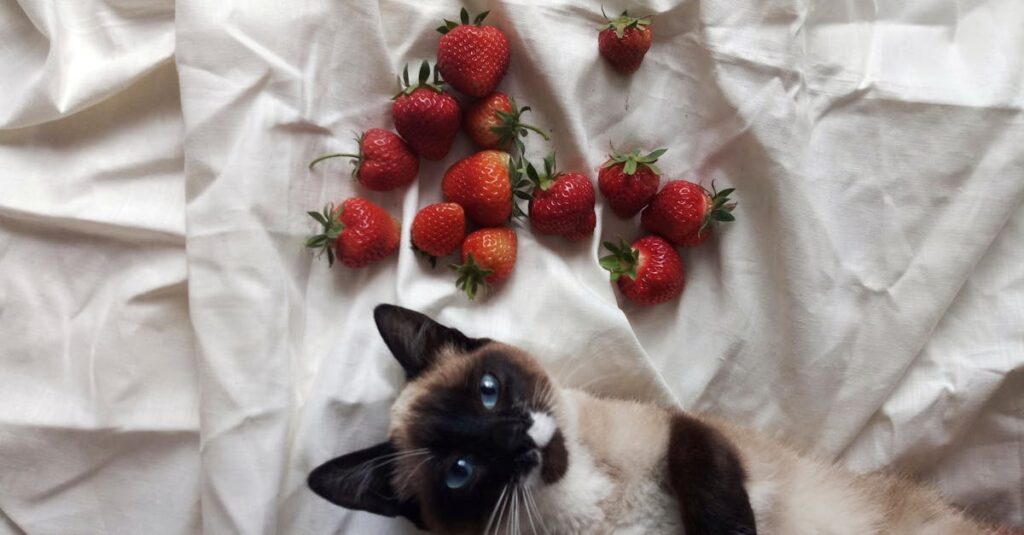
476	419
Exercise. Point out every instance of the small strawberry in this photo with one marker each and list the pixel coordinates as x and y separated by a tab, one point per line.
427	117
648	272
493	123
472	58
384	162
624	41
481	183
438	229
684	213
357	231
488	256
629	181
562	203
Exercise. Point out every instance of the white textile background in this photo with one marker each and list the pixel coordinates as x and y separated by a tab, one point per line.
174	362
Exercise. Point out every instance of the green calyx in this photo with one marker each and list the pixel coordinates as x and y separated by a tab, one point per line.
623	260
357	159
542	181
721	208
622	22
511	127
521	186
424	80
450	25
631	160
324	242
471	276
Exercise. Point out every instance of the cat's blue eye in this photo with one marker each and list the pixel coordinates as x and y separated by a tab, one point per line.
489	389
459	473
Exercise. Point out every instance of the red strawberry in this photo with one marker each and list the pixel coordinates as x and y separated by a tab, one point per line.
482	185
493	123
438	229
684	213
562	203
427	117
629	181
624	41
384	162
488	256
358	232
472	58
648	272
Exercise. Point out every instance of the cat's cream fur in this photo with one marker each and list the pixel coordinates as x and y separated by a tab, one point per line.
616	482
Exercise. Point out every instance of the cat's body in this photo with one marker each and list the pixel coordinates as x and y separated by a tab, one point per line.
482	440
624	486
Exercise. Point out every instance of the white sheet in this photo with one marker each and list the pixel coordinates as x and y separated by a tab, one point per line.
869	301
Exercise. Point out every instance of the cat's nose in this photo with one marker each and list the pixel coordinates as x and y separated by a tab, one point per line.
511	435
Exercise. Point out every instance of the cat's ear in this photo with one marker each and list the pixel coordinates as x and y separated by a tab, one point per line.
361	480
709	479
416	340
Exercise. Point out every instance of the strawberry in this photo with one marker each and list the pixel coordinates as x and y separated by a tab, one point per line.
561	203
384	162
624	41
427	117
493	123
472	58
648	272
488	256
438	229
629	181
481	183
357	231
684	213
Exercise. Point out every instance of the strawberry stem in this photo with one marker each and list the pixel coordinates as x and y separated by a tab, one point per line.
357	157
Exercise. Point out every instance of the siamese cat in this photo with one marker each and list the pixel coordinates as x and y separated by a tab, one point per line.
482	440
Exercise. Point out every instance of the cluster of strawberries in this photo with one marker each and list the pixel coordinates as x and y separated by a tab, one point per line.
483	188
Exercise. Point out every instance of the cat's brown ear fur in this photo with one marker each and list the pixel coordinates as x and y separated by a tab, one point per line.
416	340
708	478
361	480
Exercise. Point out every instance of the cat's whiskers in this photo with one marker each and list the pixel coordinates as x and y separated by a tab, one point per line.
409	476
515	511
532	502
527	509
494	511
365	469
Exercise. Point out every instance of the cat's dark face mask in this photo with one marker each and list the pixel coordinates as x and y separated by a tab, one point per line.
476	424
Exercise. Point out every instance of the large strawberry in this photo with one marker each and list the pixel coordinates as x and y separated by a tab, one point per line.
384	162
624	41
438	229
494	123
358	231
648	272
684	213
629	181
488	256
482	185
472	58
426	116
561	203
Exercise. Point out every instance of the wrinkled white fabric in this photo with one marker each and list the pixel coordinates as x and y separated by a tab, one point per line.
99	421
175	362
